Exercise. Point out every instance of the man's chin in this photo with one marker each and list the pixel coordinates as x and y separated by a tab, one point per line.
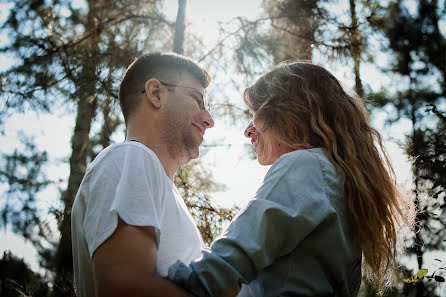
191	153
194	152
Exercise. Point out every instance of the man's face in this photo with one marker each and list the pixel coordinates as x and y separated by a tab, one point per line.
185	121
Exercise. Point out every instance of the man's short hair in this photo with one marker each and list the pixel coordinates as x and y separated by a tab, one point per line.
163	66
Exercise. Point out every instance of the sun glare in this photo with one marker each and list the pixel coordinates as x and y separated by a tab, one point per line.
204	16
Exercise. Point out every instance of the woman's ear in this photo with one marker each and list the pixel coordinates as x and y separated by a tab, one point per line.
152	89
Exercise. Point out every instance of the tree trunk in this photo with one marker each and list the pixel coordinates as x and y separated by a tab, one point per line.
355	46
180	26
420	217
79	143
294	26
86	109
109	125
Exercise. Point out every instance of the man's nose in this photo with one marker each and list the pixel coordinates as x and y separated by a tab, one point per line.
207	119
250	130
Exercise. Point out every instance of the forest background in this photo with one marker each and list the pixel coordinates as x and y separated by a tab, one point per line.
60	66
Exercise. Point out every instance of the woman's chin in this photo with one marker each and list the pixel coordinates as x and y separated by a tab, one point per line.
263	161
267	161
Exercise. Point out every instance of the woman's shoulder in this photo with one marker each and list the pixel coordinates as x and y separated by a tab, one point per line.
295	163
315	157
310	163
311	158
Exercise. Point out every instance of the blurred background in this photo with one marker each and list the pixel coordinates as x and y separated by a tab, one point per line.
60	66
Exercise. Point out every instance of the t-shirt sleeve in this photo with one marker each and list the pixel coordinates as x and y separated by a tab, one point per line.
288	206
126	184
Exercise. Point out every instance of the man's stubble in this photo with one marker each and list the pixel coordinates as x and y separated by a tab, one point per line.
177	137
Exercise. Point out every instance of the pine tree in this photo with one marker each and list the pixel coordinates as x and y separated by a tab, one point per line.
17	279
78	55
418	49
193	180
68	54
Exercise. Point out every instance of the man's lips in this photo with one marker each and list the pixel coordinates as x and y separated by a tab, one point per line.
200	128
254	138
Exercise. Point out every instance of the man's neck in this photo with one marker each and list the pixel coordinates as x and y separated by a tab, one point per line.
169	164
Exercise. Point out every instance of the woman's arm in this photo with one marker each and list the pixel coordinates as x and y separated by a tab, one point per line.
290	204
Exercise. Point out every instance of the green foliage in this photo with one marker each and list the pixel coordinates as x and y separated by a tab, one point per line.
59	50
417	47
18	280
420	56
62	54
422	274
408	283
195	184
23	172
418	277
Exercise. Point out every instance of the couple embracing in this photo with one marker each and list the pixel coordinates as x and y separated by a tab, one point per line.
328	207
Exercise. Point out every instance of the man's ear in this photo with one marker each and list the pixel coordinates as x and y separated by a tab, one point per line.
153	91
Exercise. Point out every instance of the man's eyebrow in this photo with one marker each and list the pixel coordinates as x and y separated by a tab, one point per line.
199	93
196	91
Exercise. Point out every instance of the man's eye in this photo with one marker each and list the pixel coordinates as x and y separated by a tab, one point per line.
199	101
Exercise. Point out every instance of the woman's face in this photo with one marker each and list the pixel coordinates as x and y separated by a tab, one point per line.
266	146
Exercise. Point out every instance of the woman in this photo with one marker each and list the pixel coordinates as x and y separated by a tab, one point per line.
328	201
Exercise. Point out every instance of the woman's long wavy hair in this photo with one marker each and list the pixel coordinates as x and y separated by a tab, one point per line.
305	106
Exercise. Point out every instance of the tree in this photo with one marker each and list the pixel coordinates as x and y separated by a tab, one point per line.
293	27
418	49
23	171
296	30
72	54
195	184
332	36
77	56
180	27
17	279
193	180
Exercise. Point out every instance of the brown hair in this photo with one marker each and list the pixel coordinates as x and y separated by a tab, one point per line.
305	106
164	66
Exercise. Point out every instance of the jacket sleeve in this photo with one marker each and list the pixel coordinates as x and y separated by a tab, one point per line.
289	205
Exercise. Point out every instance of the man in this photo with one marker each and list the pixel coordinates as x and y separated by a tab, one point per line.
129	222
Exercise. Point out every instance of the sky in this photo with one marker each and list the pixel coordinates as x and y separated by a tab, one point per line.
53	131
230	163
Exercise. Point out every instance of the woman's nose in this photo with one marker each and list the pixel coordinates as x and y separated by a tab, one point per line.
250	130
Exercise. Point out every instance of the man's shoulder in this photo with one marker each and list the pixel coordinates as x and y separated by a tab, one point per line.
126	151
128	146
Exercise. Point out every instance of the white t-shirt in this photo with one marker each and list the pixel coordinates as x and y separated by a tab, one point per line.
127	179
